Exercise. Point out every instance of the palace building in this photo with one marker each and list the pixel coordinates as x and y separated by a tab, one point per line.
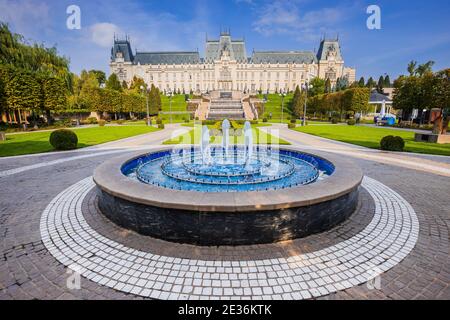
226	66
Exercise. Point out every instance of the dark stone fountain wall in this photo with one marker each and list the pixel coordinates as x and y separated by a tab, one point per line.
227	228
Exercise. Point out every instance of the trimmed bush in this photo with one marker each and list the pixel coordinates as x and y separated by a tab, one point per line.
265	120
120	122
159	121
101	123
334	121
351	122
161	125
292	126
391	143
294	121
64	140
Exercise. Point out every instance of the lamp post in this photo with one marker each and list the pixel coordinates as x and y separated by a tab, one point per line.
144	90
306	87
282	95
170	105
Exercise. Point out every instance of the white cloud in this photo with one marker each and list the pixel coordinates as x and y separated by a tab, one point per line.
286	18
25	15
103	33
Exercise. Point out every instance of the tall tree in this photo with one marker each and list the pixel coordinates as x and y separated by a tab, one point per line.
412	68
387	82
318	87
380	85
54	93
99	75
362	82
113	83
328	87
23	92
298	102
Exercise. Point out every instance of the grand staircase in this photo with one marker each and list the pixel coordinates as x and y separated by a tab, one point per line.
226	106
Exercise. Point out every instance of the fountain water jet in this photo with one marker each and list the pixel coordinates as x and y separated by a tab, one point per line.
226	137
248	141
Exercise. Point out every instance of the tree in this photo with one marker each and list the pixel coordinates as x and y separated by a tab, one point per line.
328	87
371	83
425	68
155	104
412	68
380	85
54	93
342	84
387	82
318	87
99	75
136	85
362	82
23	91
298	102
113	83
356	100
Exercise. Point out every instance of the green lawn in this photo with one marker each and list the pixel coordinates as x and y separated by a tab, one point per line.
178	103
371	137
273	105
193	137
37	142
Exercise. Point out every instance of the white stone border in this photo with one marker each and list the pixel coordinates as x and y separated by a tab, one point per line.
386	241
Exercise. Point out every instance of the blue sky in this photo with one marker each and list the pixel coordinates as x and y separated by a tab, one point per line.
410	29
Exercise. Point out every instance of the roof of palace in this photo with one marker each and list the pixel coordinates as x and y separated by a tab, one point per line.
235	48
284	57
227	46
326	47
156	58
124	47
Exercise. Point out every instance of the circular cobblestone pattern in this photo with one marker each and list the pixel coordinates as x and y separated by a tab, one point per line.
386	241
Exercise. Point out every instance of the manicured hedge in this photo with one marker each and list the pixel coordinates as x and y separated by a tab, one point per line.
64	139
391	143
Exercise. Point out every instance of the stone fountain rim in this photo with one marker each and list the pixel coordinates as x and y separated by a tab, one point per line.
346	178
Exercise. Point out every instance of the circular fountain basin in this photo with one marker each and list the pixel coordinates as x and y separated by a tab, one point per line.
228	199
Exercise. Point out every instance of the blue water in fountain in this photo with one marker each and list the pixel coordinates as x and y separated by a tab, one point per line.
225	169
267	169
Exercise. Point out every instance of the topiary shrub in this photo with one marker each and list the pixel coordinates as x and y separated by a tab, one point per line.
64	140
391	143
292	125
101	123
334	121
159	121
351	122
161	125
293	120
265	120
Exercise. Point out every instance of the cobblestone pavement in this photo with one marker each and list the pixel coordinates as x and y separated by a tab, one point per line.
28	270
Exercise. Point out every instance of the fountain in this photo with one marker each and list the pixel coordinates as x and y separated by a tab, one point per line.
228	194
226	136
248	140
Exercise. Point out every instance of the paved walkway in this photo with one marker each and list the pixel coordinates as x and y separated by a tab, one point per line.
42	193
436	164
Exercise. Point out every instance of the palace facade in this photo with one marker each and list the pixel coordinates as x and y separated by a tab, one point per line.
226	66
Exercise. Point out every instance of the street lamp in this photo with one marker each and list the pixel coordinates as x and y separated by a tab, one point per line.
170	94
143	89
282	95
305	87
